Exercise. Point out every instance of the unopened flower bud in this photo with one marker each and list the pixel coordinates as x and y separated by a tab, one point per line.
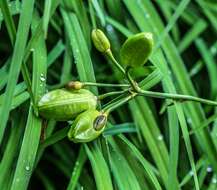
100	40
77	85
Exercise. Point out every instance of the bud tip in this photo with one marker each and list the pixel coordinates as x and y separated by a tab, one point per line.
100	40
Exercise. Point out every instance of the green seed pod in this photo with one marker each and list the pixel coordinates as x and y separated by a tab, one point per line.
100	41
136	49
87	126
63	104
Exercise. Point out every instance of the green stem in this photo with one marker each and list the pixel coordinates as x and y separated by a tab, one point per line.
179	97
26	78
204	124
111	57
115	104
126	73
118	103
104	85
102	96
90	84
133	84
116	99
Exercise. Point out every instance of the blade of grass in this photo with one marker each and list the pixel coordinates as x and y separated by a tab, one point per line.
67	65
189	175
14	8
46	16
144	25
99	12
82	157
168	13
12	33
174	148
55	52
118	129
11	150
8	20
80	10
99	166
181	7
86	73
193	111
213	183
79	48
114	9
45	180
16	61
32	133
192	34
60	165
123	174
208	13
210	64
150	132
146	165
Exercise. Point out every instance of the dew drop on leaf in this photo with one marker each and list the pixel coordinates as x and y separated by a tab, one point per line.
160	137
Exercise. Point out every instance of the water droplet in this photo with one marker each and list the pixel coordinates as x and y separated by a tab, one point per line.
147	15
42	79
77	164
189	121
45	98
139	1
17	179
191	173
27	168
213	50
209	169
32	49
9	5
214	180
109	28
73	173
160	137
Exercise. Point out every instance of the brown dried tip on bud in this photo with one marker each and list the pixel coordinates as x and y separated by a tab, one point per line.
74	85
100	40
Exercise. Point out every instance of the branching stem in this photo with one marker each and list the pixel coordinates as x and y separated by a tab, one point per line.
111	57
176	97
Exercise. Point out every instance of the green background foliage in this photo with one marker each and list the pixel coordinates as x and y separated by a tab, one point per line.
148	143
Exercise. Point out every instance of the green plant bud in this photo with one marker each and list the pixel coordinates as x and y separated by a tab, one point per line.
77	85
136	49
63	104
100	41
87	126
